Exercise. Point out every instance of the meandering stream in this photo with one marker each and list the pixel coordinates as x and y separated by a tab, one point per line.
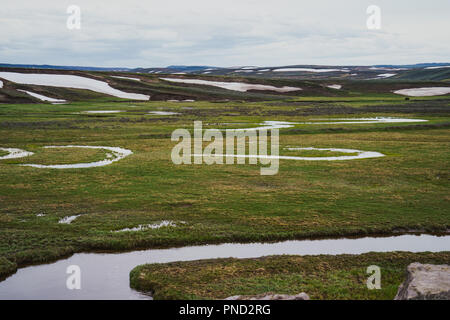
106	275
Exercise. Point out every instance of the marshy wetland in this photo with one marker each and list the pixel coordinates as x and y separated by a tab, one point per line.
135	186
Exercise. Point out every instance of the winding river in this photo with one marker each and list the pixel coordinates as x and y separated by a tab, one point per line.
106	275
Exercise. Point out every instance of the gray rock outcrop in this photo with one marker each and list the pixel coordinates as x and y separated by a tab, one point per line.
425	282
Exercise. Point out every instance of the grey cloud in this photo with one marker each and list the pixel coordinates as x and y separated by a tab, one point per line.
158	33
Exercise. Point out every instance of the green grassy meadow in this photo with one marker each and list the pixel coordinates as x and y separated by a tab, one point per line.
406	190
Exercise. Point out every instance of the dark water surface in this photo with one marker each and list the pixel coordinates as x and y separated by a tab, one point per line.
106	275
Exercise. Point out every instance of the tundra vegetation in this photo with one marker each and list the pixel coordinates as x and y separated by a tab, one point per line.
407	190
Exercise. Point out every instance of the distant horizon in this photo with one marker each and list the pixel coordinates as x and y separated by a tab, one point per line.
3	64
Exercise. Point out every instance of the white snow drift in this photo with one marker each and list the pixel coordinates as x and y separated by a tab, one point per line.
439	67
126	78
335	86
424	92
236	86
116	155
15	153
42	97
386	75
388	69
70	81
309	70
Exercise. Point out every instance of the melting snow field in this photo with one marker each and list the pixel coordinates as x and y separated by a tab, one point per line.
240	71
424	92
69	219
42	97
126	78
163	113
309	70
143	227
116	155
1	84
439	67
335	86
386	75
70	81
15	153
384	68
235	86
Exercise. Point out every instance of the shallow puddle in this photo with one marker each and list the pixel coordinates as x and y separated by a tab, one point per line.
359	155
101	111
163	113
267	125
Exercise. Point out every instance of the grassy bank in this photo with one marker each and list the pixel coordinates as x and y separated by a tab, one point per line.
322	277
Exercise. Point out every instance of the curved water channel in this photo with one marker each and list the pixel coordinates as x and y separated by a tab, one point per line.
267	125
106	275
115	155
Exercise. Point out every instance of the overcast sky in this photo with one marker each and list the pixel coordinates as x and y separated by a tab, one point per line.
150	33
